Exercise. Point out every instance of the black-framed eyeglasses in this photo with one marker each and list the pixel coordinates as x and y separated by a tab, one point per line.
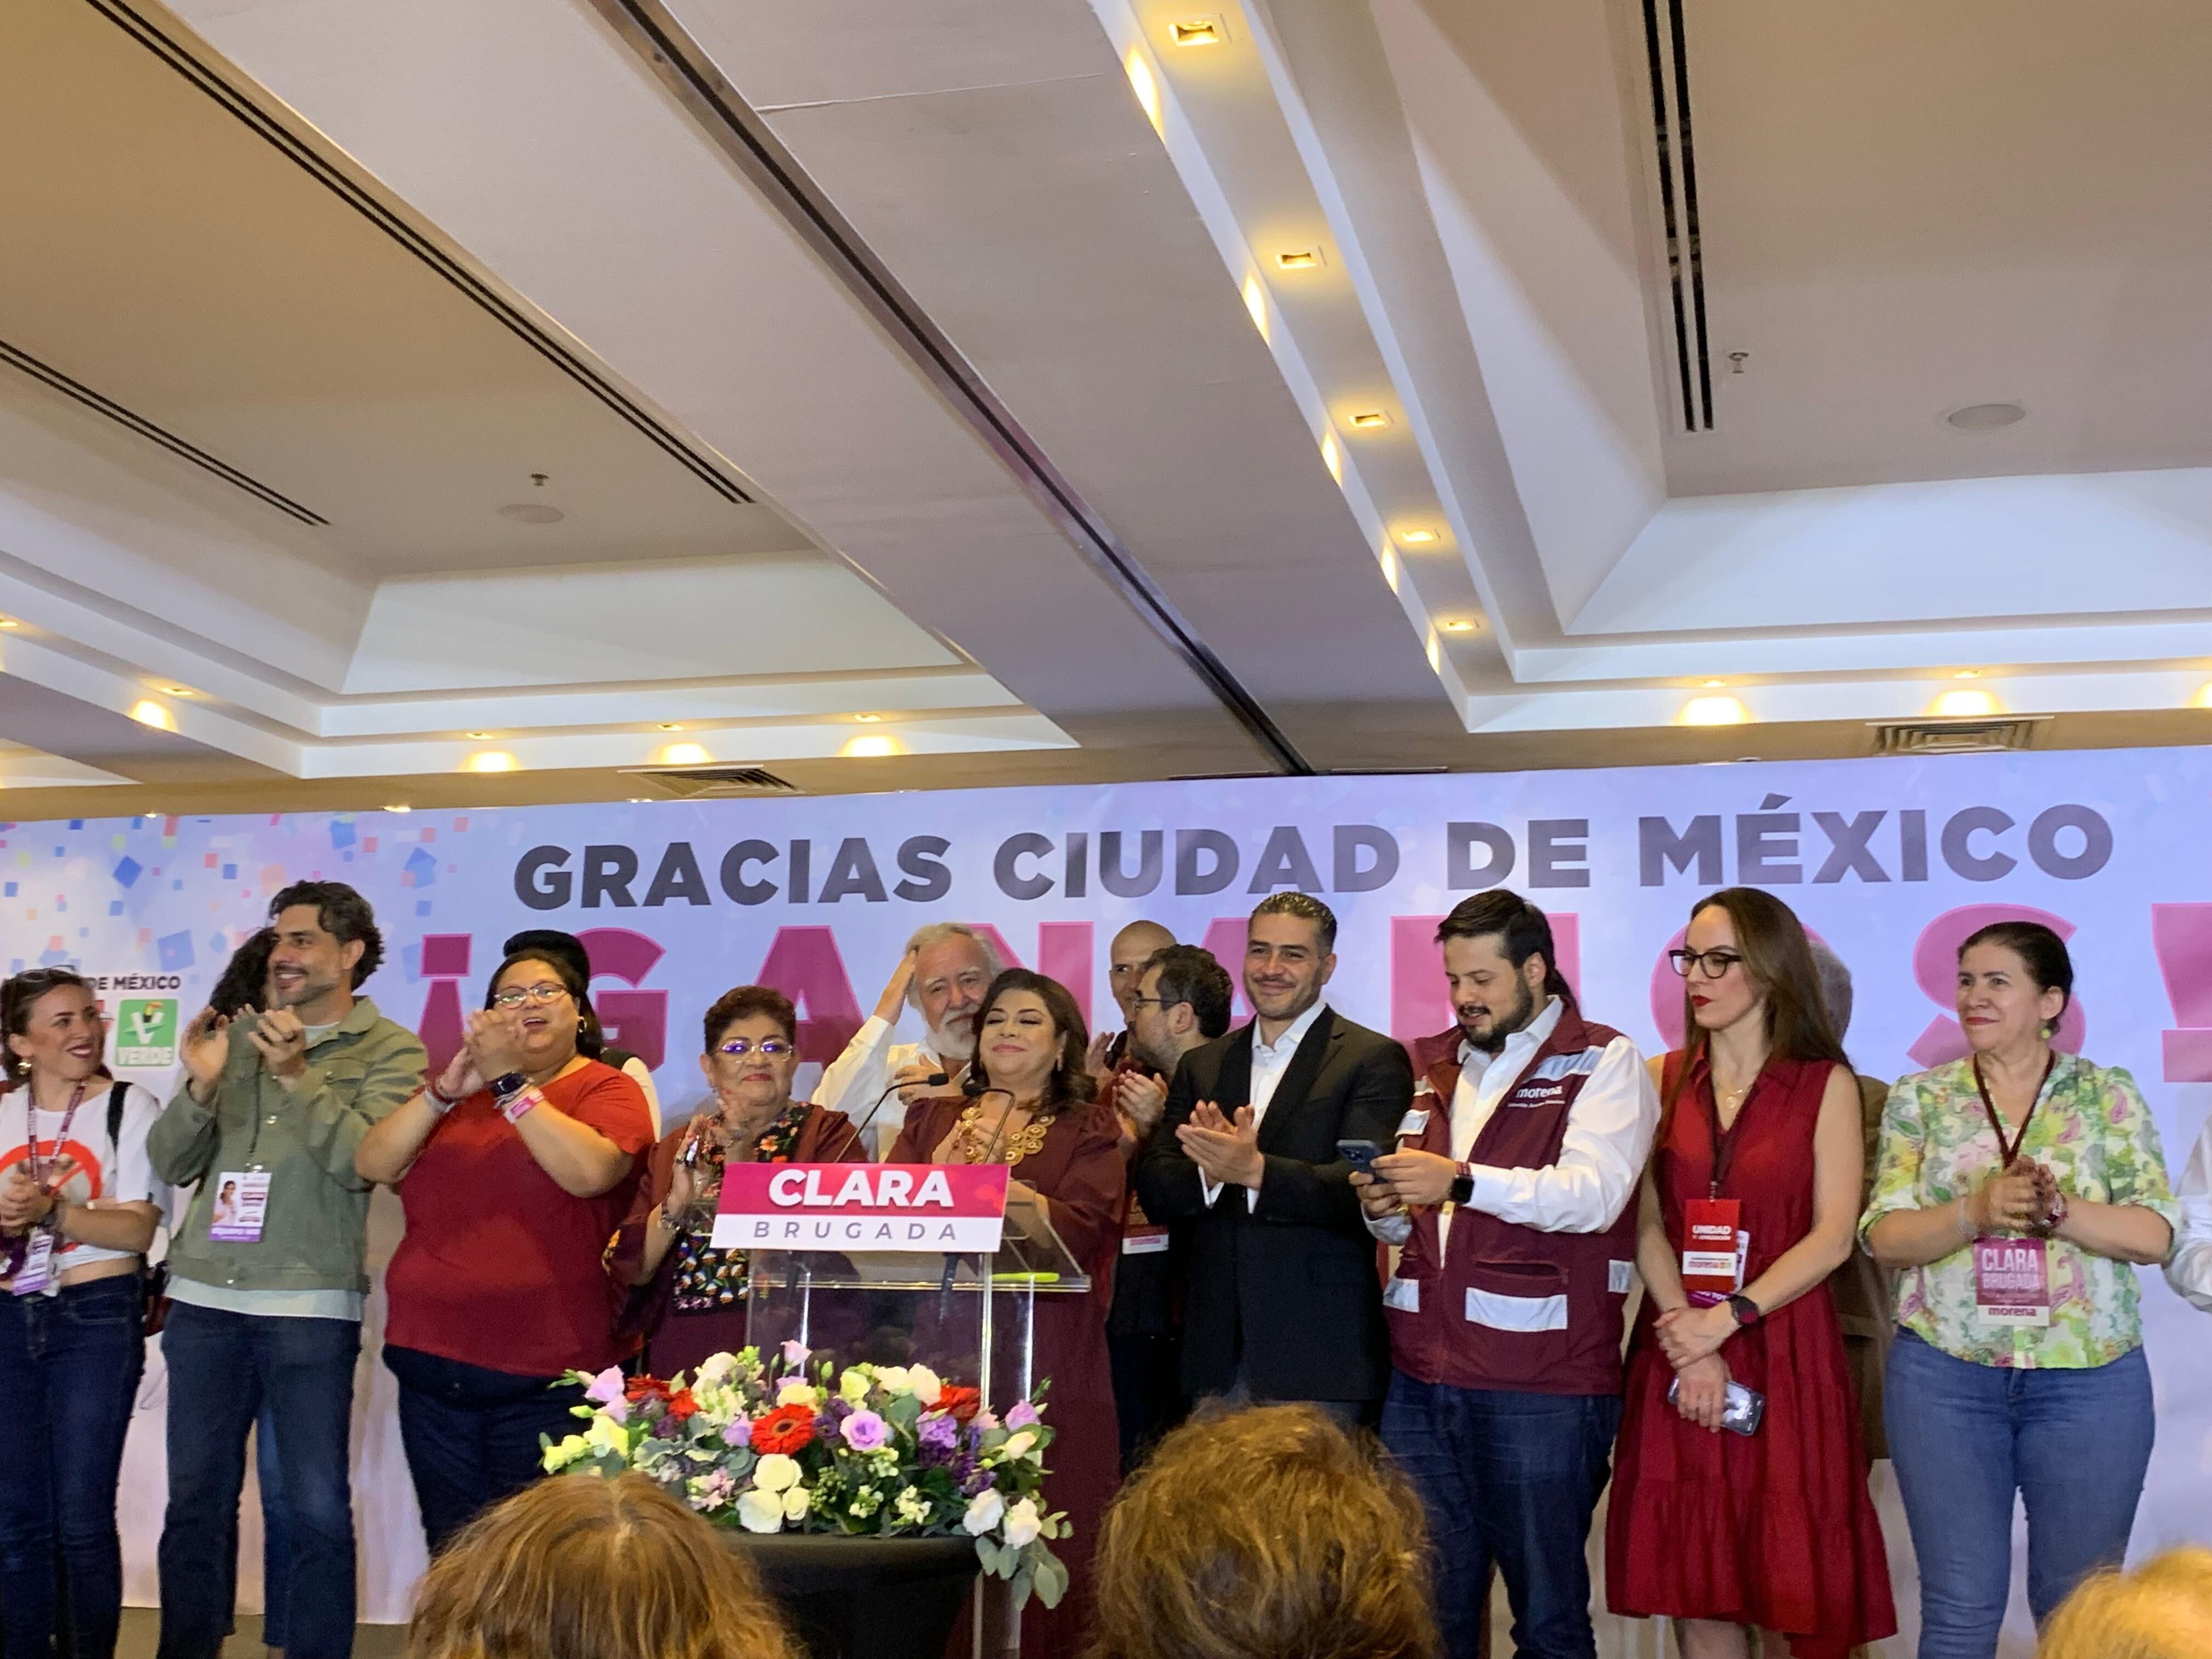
769	1048
1713	964
545	991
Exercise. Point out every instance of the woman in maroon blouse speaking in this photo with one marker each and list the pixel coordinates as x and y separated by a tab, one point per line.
514	1166
1029	1103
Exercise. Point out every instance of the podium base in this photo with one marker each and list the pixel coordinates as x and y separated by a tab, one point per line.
866	1598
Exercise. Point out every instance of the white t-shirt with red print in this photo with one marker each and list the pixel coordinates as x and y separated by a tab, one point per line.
114	1171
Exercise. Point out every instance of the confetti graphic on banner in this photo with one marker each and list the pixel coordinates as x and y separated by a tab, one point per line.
419	870
128	870
176	952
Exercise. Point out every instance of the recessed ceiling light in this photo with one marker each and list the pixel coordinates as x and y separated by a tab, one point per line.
398	807
1460	625
1417	538
1966	705
1200	32
531	513
1298	258
9	621
670	726
1370	419
867	720
682	754
1985	417
873	746
641	800
1967	674
1714	685
479	736
176	691
1715	711
146	711
492	760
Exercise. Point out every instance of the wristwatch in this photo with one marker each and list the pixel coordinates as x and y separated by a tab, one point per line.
1745	1309
508	1083
1462	1187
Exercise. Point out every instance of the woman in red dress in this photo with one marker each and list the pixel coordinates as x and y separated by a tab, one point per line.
1029	1103
1760	1148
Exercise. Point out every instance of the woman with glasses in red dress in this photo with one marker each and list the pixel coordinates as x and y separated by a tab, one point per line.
686	1298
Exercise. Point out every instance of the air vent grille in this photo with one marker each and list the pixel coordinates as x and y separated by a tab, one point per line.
1675	153
709	783
1955	737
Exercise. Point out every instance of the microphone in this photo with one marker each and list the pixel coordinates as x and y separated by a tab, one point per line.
991	1152
934	1080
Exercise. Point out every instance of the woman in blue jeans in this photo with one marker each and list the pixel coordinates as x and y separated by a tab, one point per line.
77	1210
2016	1190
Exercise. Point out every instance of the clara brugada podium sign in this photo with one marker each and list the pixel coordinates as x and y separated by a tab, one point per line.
950	1208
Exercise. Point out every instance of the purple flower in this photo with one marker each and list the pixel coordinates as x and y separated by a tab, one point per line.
974	1483
796	1354
865	1431
1022	1415
940	1430
739	1433
606	1389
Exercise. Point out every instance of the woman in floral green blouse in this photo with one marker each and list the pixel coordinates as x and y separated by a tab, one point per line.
2017	1189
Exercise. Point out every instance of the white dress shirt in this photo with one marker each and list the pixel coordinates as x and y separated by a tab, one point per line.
1269	1061
862	1076
1609	1131
2188	1270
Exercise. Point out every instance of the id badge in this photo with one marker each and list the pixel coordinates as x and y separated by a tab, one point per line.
2012	1281
1145	1241
241	1204
38	1269
1713	1249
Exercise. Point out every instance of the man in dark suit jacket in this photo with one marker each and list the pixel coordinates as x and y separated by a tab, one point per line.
1284	1302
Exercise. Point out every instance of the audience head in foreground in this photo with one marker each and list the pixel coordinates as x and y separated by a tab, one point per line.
1269	1533
581	1568
2163	1610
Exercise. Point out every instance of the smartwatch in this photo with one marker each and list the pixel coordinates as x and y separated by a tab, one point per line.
1462	1187
506	1085
1745	1309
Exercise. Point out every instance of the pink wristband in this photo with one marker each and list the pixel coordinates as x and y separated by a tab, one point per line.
522	1101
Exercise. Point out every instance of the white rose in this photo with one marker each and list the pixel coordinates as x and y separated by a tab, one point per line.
983	1512
854	1386
1017	1444
925	1382
716	1366
776	1472
794	1393
759	1511
1023	1522
894	1379
796	1502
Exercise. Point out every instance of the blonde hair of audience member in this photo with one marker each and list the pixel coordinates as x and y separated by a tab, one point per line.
2163	1610
1264	1533
578	1567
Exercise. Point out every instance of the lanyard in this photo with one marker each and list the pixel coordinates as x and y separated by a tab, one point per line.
33	1163
1724	1144
1996	1123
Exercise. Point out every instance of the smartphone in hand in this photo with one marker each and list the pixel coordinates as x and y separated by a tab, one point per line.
1359	1154
1741	1411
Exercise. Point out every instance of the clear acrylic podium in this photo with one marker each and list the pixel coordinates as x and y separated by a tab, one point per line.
971	1318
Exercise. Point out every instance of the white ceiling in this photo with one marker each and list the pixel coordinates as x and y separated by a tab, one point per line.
583	276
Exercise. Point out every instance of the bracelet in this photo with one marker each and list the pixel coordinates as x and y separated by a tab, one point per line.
519	1104
1966	1221
437	1102
2056	1217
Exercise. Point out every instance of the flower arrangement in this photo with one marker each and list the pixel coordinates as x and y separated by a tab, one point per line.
872	1450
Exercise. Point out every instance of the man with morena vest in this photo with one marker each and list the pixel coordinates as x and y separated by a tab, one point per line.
1510	1194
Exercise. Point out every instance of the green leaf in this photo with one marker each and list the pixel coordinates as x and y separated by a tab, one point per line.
1051	1576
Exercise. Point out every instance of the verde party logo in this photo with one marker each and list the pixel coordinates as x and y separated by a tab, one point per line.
145	1031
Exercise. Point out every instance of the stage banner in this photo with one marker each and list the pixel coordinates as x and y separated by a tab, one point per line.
1892	861
948	1208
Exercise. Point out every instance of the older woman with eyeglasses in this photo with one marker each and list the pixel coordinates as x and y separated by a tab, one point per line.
686	1298
513	1164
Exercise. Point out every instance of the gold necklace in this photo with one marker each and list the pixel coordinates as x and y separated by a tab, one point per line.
970	1144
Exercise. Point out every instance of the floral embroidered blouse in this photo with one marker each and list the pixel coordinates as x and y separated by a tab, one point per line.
2093	1130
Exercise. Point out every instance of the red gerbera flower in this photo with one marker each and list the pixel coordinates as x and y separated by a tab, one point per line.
645	1388
680	1405
961	1401
784	1430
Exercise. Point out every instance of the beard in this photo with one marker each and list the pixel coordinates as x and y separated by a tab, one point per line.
1493	1039
956	1038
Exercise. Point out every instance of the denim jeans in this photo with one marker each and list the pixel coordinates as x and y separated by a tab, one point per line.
1965	1437
223	1366
1511	1479
69	1375
470	1434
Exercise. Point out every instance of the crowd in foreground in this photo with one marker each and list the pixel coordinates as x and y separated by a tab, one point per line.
1441	1249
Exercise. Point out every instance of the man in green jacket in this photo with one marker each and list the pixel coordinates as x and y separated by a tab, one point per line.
267	1272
